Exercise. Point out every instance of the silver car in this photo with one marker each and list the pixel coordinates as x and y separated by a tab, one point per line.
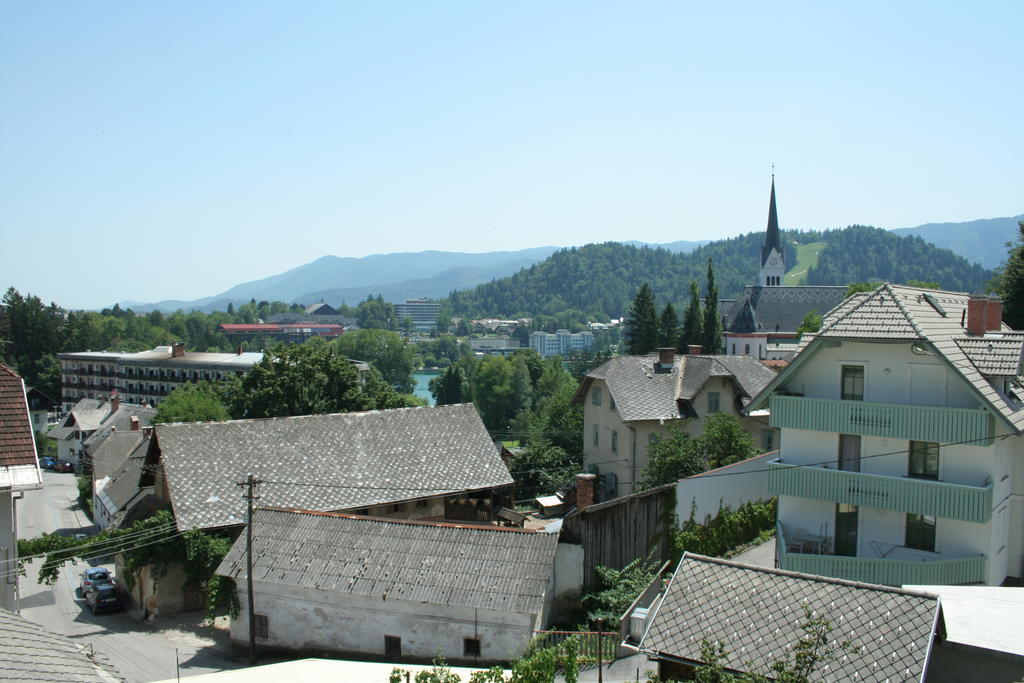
95	576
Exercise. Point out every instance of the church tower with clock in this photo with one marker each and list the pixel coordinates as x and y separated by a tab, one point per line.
773	266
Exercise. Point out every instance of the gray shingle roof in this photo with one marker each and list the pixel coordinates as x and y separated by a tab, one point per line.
121	421
778	309
757	613
642	393
995	357
112	453
326	462
31	653
124	482
441	564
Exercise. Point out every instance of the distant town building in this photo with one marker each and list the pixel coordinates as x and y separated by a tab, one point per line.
422	312
289	333
501	346
561	343
147	376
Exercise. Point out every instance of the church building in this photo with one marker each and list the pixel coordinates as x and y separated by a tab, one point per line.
762	321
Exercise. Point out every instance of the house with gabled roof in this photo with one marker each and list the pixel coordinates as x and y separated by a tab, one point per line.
362	586
90	421
900	454
757	615
19	471
630	401
116	472
436	463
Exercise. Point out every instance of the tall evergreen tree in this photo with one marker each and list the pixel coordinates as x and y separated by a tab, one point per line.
693	320
668	327
712	321
642	323
1010	283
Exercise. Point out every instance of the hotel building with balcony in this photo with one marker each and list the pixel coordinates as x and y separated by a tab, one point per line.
901	459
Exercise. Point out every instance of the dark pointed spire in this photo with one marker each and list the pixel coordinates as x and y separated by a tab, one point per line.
772	239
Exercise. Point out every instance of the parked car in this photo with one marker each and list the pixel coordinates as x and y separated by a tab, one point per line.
93	577
63	467
105	598
47	463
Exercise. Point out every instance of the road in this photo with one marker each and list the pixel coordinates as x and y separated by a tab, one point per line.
141	651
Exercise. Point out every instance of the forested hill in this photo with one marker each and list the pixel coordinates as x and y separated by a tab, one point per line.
599	280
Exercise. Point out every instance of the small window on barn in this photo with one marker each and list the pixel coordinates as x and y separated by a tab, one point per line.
595	396
392	646
470	647
262	626
421	504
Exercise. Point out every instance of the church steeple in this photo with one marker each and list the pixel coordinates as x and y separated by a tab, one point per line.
772	265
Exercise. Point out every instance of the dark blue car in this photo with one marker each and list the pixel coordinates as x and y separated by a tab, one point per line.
105	598
47	463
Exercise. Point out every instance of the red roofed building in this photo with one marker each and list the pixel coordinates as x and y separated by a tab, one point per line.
19	470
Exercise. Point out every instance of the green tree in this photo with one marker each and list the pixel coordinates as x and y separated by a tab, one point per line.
810	324
192	403
668	327
1010	283
725	441
384	350
305	379
712	320
616	589
642	323
492	393
451	387
671	458
692	332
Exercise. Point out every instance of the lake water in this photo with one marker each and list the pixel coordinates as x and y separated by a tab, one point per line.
422	379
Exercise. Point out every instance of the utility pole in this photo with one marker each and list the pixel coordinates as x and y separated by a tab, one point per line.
251	484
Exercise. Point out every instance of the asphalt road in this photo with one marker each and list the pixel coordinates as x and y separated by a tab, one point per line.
141	651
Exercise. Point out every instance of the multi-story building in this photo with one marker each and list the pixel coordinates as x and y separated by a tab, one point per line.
145	377
289	333
422	312
630	401
561	343
901	459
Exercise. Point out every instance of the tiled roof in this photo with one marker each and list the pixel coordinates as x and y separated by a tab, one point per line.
121	421
17	443
111	454
89	414
757	614
31	653
644	392
996	357
326	462
768	310
440	564
124	481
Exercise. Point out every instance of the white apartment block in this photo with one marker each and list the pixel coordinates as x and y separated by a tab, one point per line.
561	343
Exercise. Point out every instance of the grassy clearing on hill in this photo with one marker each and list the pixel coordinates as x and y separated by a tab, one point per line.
806	257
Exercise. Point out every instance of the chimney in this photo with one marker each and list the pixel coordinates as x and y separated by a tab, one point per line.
585	490
666	356
115	402
135	423
694	349
178	350
238	350
983	314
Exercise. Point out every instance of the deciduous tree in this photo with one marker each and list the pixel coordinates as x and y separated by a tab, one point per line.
192	403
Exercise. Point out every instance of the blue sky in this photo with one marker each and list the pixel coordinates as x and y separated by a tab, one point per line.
171	150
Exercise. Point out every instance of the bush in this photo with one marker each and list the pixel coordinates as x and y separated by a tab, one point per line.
727	530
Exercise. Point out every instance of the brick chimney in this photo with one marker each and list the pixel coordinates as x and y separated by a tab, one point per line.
135	423
238	350
666	356
178	350
694	349
115	402
983	314
585	490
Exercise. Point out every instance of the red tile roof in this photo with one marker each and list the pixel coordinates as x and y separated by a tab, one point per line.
17	445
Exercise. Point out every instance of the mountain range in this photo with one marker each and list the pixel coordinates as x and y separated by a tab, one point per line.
435	274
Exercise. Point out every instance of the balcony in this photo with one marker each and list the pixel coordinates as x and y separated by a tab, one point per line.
902	494
885	571
935	424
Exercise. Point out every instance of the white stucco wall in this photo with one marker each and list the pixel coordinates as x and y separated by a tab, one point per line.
745	481
568	577
8	551
322	621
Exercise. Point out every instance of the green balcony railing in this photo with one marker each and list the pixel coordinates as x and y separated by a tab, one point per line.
950	571
936	424
902	494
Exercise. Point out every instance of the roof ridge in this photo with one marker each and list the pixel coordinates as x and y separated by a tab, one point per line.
301	417
903	309
408	522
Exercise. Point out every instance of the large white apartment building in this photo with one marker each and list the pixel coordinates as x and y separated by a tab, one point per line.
561	343
901	458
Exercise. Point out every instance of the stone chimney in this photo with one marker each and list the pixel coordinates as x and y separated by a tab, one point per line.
135	423
666	356
178	350
585	490
983	314
694	349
